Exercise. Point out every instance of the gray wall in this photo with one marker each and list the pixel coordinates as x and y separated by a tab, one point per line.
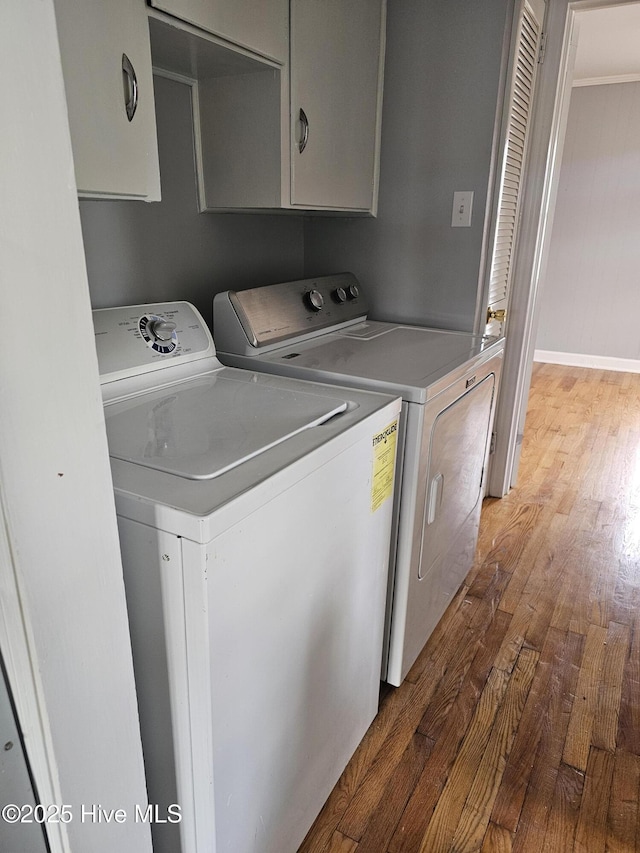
590	301
138	252
440	95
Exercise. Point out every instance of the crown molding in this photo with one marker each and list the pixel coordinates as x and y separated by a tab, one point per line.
603	81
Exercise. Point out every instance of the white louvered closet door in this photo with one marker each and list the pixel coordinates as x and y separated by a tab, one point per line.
518	106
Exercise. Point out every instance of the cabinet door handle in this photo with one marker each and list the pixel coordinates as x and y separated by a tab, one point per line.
130	86
304	121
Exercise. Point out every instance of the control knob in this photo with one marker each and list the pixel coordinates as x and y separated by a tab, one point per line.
353	291
161	329
340	295
158	333
314	299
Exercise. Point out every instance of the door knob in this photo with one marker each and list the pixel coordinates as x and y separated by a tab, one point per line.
500	315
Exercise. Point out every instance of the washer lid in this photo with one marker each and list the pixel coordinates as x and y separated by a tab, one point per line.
203	427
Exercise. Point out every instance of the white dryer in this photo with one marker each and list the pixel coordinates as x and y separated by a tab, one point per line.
318	329
254	513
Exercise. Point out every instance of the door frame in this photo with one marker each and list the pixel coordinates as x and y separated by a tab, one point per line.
540	190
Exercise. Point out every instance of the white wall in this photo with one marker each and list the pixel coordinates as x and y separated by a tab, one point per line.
139	252
590	303
440	95
63	623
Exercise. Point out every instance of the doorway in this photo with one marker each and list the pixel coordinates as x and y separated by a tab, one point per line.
541	187
589	298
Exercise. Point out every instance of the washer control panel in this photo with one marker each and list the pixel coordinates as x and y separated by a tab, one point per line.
280	312
138	338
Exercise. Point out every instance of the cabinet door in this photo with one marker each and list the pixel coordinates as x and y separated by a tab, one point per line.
258	26
336	98
106	60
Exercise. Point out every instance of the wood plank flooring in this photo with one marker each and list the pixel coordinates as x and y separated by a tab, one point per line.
518	727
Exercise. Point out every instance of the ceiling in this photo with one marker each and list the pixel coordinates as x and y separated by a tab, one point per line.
608	45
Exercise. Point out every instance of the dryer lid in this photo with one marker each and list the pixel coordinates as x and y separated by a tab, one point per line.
413	362
204	427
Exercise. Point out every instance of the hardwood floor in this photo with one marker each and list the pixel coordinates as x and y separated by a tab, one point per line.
518	728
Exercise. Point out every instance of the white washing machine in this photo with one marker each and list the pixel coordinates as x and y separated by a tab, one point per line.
318	329
254	513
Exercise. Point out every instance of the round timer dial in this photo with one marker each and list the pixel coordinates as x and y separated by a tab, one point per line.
158	333
314	300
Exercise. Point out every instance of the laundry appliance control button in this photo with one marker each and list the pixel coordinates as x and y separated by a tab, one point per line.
353	291
162	329
314	299
158	333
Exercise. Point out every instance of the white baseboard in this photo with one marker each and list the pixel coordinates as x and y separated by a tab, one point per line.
600	362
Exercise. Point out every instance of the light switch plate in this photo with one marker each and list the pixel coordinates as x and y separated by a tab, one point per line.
462	204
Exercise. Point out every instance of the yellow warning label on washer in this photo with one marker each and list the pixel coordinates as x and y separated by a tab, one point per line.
384	457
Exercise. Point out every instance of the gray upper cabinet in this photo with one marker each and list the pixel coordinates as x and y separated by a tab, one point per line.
257	25
337	55
106	63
